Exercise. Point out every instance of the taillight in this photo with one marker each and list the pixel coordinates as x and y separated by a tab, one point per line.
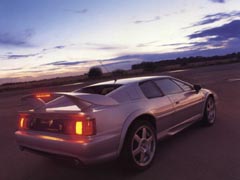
81	124
86	127
23	121
79	127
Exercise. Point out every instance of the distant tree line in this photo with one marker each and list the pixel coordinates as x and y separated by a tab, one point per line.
157	65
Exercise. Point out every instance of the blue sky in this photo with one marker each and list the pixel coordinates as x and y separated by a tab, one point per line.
44	39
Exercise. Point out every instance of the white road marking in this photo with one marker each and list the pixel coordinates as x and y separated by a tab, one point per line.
180	70
73	84
233	80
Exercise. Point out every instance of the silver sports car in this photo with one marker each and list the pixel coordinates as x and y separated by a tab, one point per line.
114	119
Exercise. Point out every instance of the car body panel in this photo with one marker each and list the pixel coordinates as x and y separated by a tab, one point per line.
88	151
187	105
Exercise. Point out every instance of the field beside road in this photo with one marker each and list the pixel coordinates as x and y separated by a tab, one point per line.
197	153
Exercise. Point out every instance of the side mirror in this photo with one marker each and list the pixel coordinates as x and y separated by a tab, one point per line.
197	87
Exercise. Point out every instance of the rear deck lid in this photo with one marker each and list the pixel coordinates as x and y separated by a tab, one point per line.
68	101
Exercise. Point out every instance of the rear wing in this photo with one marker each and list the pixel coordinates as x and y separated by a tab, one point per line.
81	100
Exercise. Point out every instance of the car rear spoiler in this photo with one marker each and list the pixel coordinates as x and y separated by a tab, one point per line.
81	100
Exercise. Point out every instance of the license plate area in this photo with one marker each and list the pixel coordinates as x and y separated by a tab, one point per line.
47	124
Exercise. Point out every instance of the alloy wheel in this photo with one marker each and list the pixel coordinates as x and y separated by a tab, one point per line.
143	145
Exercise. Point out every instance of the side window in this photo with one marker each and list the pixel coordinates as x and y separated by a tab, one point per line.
184	86
150	90
168	87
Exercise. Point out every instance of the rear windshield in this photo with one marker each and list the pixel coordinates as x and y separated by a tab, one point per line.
99	89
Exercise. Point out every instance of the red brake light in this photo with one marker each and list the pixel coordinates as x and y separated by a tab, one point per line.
43	95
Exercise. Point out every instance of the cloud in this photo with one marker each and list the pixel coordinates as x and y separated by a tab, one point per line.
226	36
16	39
97	46
81	11
212	18
207	21
224	32
11	69
65	63
53	48
146	44
156	18
175	44
218	1
59	47
11	55
19	56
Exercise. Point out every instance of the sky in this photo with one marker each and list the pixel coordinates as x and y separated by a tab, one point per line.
55	38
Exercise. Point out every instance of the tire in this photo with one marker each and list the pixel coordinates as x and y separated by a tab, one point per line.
139	147
209	117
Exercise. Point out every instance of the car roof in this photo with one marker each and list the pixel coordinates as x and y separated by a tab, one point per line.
130	80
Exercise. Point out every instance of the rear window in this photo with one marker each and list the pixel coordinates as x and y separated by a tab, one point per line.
100	89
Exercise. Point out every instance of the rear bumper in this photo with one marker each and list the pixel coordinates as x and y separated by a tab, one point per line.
86	150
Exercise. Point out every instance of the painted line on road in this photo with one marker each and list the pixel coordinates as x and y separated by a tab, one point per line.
180	70
74	84
233	80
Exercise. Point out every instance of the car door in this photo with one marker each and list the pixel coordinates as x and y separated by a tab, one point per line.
187	103
191	102
158	105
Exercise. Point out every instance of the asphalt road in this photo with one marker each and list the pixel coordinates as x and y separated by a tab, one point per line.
209	153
